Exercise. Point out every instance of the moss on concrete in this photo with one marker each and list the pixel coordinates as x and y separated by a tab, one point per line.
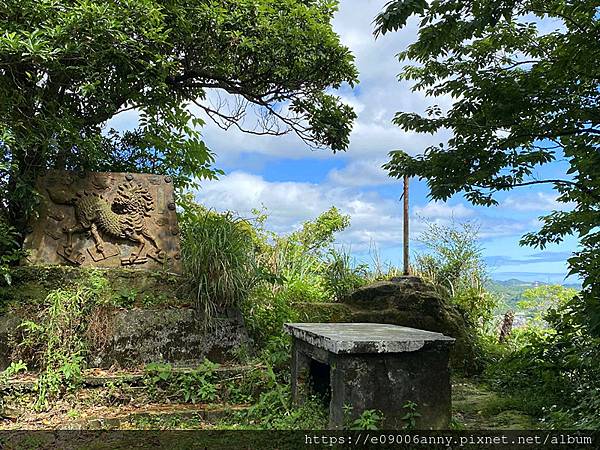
31	284
146	317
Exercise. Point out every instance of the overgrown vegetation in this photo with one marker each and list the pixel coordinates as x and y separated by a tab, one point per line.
191	387
56	341
220	264
10	250
526	98
234	262
453	263
551	367
548	367
230	261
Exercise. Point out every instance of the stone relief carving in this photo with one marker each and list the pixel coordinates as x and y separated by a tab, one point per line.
106	220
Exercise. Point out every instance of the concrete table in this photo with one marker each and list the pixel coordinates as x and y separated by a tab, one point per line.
373	366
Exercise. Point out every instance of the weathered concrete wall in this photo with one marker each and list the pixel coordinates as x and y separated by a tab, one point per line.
153	323
140	336
386	383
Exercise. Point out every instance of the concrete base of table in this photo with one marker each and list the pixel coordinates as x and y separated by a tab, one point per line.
358	367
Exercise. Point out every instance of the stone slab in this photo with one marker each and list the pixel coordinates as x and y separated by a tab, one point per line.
351	338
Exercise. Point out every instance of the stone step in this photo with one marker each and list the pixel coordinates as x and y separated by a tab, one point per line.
201	415
100	377
128	417
131	392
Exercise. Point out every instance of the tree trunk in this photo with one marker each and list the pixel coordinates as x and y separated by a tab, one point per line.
507	325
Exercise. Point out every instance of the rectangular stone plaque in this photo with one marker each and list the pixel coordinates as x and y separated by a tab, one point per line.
106	220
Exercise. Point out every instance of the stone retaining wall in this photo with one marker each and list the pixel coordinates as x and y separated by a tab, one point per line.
140	336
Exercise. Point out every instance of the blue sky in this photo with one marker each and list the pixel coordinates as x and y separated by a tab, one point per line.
296	183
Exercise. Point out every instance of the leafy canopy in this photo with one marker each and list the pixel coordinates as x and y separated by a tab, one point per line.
524	76
67	67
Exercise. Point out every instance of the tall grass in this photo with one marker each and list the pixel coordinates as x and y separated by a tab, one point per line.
381	270
219	261
342	275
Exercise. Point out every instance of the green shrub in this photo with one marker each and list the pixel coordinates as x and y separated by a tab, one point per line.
10	250
56	339
369	419
195	386
536	302
554	370
13	369
274	411
266	312
454	265
299	269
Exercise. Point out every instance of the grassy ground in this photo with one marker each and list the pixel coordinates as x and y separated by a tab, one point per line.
476	407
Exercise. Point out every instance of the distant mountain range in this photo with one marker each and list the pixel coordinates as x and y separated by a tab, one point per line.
510	291
513	282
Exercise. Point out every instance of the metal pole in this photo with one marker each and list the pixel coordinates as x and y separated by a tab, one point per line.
405	195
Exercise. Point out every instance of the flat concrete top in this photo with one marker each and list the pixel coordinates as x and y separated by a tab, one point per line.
364	337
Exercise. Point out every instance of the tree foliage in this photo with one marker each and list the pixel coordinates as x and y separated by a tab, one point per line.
537	301
67	67
524	76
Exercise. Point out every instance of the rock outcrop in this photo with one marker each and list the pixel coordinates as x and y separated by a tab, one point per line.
410	302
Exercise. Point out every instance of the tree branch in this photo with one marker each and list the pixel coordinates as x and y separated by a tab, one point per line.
579	186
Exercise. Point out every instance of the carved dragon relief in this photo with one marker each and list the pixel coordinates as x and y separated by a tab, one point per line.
122	220
125	219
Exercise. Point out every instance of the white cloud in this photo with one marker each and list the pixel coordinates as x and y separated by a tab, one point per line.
375	220
290	203
440	210
361	173
535	201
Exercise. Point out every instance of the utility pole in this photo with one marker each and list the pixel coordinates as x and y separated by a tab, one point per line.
405	197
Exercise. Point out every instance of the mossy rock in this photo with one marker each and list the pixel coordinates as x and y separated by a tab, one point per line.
323	312
410	302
